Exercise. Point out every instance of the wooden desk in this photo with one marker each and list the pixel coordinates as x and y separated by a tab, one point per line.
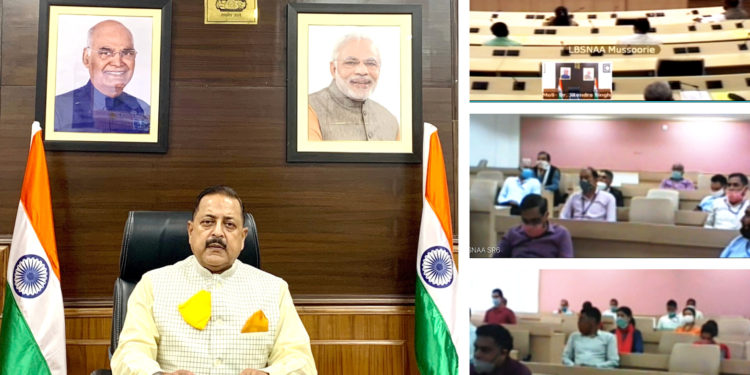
483	28
592	239
545	344
660	362
559	369
602	18
625	88
716	56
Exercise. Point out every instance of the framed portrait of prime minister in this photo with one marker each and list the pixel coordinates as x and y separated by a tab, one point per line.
103	75
354	83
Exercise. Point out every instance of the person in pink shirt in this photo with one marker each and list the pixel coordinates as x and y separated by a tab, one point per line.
677	180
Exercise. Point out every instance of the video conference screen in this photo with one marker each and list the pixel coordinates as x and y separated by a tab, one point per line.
576	81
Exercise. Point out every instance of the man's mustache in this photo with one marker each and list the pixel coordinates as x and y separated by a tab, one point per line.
216	240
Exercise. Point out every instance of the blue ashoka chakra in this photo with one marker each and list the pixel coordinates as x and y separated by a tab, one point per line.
30	276
436	267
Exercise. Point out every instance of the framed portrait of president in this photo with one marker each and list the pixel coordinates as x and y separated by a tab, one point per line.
354	83
103	74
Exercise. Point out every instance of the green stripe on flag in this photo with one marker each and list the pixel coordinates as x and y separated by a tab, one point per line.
432	342
19	351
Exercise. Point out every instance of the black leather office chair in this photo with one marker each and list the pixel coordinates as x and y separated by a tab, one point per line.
154	239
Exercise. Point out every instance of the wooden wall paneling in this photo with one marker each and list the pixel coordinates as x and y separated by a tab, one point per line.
345	339
354	224
4	249
19	42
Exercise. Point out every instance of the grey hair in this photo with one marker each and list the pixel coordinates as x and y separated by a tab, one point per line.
348	38
658	90
90	34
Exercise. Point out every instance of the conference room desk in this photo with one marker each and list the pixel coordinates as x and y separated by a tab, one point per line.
660	362
655	17
483	28
558	40
560	369
545	343
689	199
594	239
580	6
625	88
723	57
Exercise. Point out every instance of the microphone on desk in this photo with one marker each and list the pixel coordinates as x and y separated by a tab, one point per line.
684	83
518	85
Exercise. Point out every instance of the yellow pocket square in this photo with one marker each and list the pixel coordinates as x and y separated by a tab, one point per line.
256	323
197	310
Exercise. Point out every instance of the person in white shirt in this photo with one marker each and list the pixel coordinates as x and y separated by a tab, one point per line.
727	213
516	188
691	304
564	308
612	312
670	321
640	37
590	203
718	184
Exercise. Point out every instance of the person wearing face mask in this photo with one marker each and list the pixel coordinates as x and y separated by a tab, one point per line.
691	303
740	245
688	322
709	330
612	312
669	321
629	339
605	177
590	204
564	308
677	180
492	353
727	213
536	237
516	188
499	313
718	184
548	175
591	346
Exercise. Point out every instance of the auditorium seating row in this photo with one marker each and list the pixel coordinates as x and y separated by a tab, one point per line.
734	31
543	340
609	18
718	58
595	239
624	88
482	28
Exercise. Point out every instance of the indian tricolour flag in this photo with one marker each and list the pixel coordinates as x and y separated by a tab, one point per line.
32	337
436	290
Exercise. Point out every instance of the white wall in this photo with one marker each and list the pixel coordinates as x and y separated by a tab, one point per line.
519	283
497	138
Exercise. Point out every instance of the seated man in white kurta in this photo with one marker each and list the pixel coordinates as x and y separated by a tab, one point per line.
210	313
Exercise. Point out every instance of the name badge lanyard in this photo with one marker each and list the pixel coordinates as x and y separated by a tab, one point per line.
729	207
583	204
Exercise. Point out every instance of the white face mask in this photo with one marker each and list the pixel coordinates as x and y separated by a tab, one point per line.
688	319
718	193
543	164
601	186
483	367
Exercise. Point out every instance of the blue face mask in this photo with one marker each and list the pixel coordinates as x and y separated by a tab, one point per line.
676	175
496	302
672	315
586	186
622	323
527	173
